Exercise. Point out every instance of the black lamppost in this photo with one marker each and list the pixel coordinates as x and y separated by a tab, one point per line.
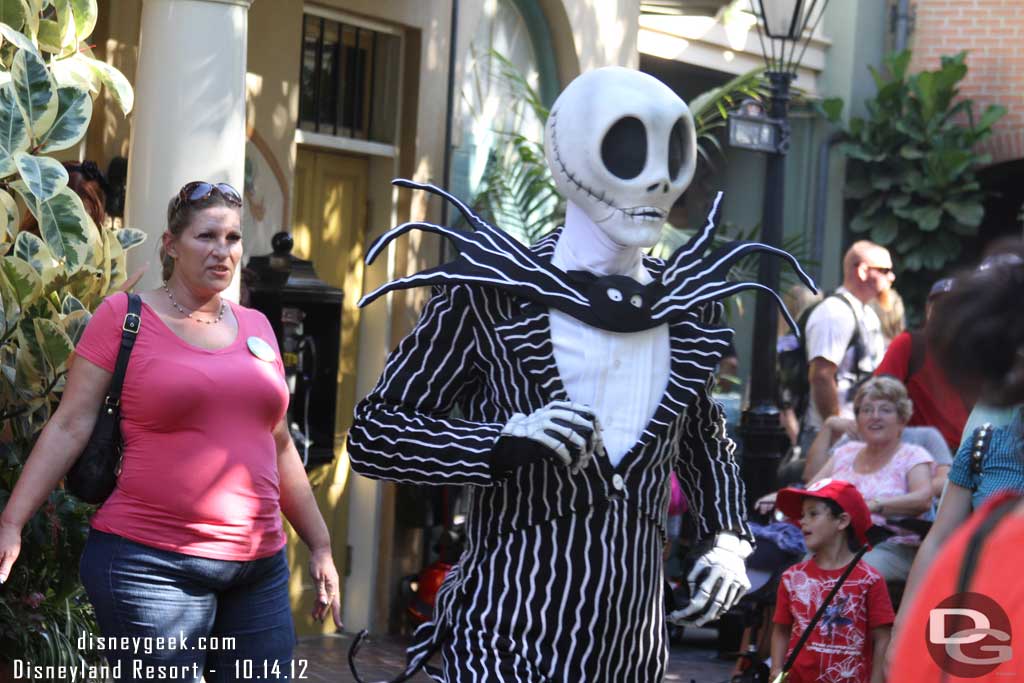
785	27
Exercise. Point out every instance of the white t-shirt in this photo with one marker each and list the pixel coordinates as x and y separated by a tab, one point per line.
830	328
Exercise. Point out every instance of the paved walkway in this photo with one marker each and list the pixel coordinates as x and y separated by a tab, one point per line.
382	658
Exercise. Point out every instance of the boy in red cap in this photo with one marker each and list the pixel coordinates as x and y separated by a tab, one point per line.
849	642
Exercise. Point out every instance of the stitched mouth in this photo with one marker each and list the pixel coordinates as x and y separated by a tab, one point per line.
641	214
646	212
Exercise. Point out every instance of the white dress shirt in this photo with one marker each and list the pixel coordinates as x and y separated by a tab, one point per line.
621	376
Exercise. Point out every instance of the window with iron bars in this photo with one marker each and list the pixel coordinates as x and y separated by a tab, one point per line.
348	85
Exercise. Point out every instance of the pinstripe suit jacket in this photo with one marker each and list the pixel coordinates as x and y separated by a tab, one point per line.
490	355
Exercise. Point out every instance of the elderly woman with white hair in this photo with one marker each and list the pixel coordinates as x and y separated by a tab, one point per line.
893	476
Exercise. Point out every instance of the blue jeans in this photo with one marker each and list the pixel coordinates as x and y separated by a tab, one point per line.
195	617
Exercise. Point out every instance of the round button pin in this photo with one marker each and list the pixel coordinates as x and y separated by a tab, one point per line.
261	349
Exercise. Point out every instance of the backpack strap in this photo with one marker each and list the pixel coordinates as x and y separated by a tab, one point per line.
855	340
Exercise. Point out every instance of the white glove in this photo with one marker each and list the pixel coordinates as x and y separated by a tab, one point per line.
567	431
717	582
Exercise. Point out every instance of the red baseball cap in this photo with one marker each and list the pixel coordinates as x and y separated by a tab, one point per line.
790	502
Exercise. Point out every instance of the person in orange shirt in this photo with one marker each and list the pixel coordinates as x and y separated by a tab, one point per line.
974	582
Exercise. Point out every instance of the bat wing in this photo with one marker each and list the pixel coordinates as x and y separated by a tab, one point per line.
691	278
486	256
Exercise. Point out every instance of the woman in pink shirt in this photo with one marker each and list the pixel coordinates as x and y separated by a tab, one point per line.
894	477
190	544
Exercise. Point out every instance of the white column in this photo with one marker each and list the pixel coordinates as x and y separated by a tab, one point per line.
189	120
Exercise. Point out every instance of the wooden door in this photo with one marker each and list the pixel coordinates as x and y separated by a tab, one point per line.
329	228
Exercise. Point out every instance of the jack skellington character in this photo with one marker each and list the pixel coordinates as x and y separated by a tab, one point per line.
581	369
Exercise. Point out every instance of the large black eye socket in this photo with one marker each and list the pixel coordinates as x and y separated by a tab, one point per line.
624	148
676	148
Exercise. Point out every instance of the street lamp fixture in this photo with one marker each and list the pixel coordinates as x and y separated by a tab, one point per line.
751	128
784	29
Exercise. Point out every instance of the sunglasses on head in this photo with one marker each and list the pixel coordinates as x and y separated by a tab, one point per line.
198	190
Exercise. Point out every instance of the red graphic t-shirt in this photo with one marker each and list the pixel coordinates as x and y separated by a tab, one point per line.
839	649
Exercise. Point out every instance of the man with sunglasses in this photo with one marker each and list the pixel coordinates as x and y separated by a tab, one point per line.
844	340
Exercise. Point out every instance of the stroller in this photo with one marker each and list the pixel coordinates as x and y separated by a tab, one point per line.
765	566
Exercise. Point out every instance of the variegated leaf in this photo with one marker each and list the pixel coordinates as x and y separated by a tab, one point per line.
74	71
24	280
55	344
12	13
32	250
84	284
11	304
130	237
70	305
13	132
49	35
34	91
14	35
29	370
118	264
35	8
74	110
86	13
116	83
74	324
10	216
21	187
66	228
44	176
106	266
66	24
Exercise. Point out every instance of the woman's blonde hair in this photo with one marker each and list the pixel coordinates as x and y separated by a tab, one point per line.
886	388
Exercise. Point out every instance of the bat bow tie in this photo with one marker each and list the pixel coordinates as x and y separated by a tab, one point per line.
487	256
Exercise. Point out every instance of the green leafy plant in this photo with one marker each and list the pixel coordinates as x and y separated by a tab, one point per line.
51	277
913	177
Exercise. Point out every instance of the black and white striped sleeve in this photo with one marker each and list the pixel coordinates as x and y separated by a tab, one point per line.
708	472
402	430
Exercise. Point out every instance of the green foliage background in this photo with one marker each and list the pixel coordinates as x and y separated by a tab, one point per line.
50	280
913	181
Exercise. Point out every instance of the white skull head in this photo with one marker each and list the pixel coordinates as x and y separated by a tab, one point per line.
622	147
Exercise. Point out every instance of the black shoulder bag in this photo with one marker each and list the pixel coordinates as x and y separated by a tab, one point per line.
93	476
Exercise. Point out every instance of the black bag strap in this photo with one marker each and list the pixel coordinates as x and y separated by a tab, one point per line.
821	609
129	331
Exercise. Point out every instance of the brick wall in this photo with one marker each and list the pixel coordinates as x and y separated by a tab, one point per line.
992	32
